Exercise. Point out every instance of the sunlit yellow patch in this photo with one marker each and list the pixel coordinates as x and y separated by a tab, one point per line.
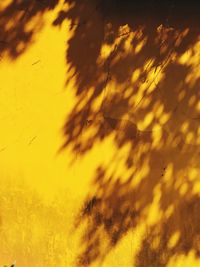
146	102
196	188
158	109
128	43
148	119
139	46
182	260
173	240
193	174
169	211
185	57
135	75
129	91
168	176
184	127
156	134
35	24
140	174
154	211
192	100
189	138
123	29
183	188
155	243
106	50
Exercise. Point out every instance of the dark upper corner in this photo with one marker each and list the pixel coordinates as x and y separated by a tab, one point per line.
161	12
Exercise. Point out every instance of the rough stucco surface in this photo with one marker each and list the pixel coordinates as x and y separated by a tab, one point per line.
100	135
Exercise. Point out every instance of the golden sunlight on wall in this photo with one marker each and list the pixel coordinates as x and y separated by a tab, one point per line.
99	141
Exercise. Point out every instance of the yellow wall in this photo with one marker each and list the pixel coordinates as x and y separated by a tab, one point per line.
43	189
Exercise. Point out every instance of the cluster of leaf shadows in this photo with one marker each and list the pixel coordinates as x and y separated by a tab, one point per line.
167	31
13	265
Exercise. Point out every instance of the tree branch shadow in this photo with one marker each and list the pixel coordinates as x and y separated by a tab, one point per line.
135	67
